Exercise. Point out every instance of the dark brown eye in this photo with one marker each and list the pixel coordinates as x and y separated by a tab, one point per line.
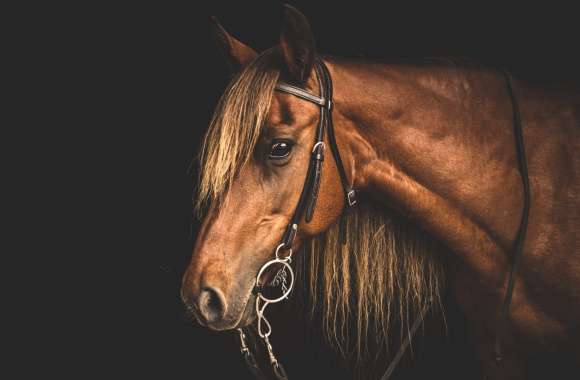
279	149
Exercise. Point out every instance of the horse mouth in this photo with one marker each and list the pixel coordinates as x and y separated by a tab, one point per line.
248	315
242	311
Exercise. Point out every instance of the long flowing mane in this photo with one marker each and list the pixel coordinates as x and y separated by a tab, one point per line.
384	275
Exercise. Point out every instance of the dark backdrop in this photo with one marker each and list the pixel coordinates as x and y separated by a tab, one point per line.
150	77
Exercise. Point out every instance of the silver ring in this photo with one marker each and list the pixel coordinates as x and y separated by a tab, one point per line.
287	258
288	291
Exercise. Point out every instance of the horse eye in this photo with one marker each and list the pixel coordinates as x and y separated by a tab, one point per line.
279	150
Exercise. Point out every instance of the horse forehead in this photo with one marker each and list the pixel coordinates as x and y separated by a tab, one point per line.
288	109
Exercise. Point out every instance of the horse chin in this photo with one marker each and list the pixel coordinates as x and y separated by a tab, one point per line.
249	314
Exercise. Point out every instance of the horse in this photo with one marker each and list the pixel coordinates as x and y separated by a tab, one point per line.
430	149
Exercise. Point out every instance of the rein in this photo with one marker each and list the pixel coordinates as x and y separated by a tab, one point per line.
306	206
521	235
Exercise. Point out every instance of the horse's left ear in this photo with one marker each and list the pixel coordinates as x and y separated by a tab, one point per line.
297	44
236	53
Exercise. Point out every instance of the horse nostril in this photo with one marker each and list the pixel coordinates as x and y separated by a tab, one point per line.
212	304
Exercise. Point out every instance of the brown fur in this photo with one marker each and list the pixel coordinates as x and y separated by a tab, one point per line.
386	273
391	264
436	144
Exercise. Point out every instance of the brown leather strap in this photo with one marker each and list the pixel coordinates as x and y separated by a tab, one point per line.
406	343
521	235
309	196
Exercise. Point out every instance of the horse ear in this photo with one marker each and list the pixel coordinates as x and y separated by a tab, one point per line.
297	44
236	53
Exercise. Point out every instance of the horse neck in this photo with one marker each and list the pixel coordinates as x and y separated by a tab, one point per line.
435	143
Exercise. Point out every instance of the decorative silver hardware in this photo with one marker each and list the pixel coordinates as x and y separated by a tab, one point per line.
351	197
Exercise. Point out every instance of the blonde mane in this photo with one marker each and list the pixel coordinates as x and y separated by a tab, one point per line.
235	127
385	274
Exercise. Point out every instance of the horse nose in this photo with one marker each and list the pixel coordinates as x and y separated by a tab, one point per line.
211	304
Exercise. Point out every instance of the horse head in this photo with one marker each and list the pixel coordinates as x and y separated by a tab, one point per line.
253	167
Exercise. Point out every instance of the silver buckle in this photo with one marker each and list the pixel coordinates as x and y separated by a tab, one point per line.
351	197
318	144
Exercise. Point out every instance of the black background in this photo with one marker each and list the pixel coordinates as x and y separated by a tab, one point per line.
138	85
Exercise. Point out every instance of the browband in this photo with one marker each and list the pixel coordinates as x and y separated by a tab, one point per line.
301	93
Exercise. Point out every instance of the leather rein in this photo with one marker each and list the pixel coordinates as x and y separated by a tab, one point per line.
305	209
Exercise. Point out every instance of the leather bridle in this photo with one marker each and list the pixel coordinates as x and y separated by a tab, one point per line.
306	206
308	197
304	209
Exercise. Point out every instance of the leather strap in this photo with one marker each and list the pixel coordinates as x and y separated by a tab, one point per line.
521	235
350	193
406	343
297	91
309	196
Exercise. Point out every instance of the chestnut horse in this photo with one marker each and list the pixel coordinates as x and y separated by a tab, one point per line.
431	144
